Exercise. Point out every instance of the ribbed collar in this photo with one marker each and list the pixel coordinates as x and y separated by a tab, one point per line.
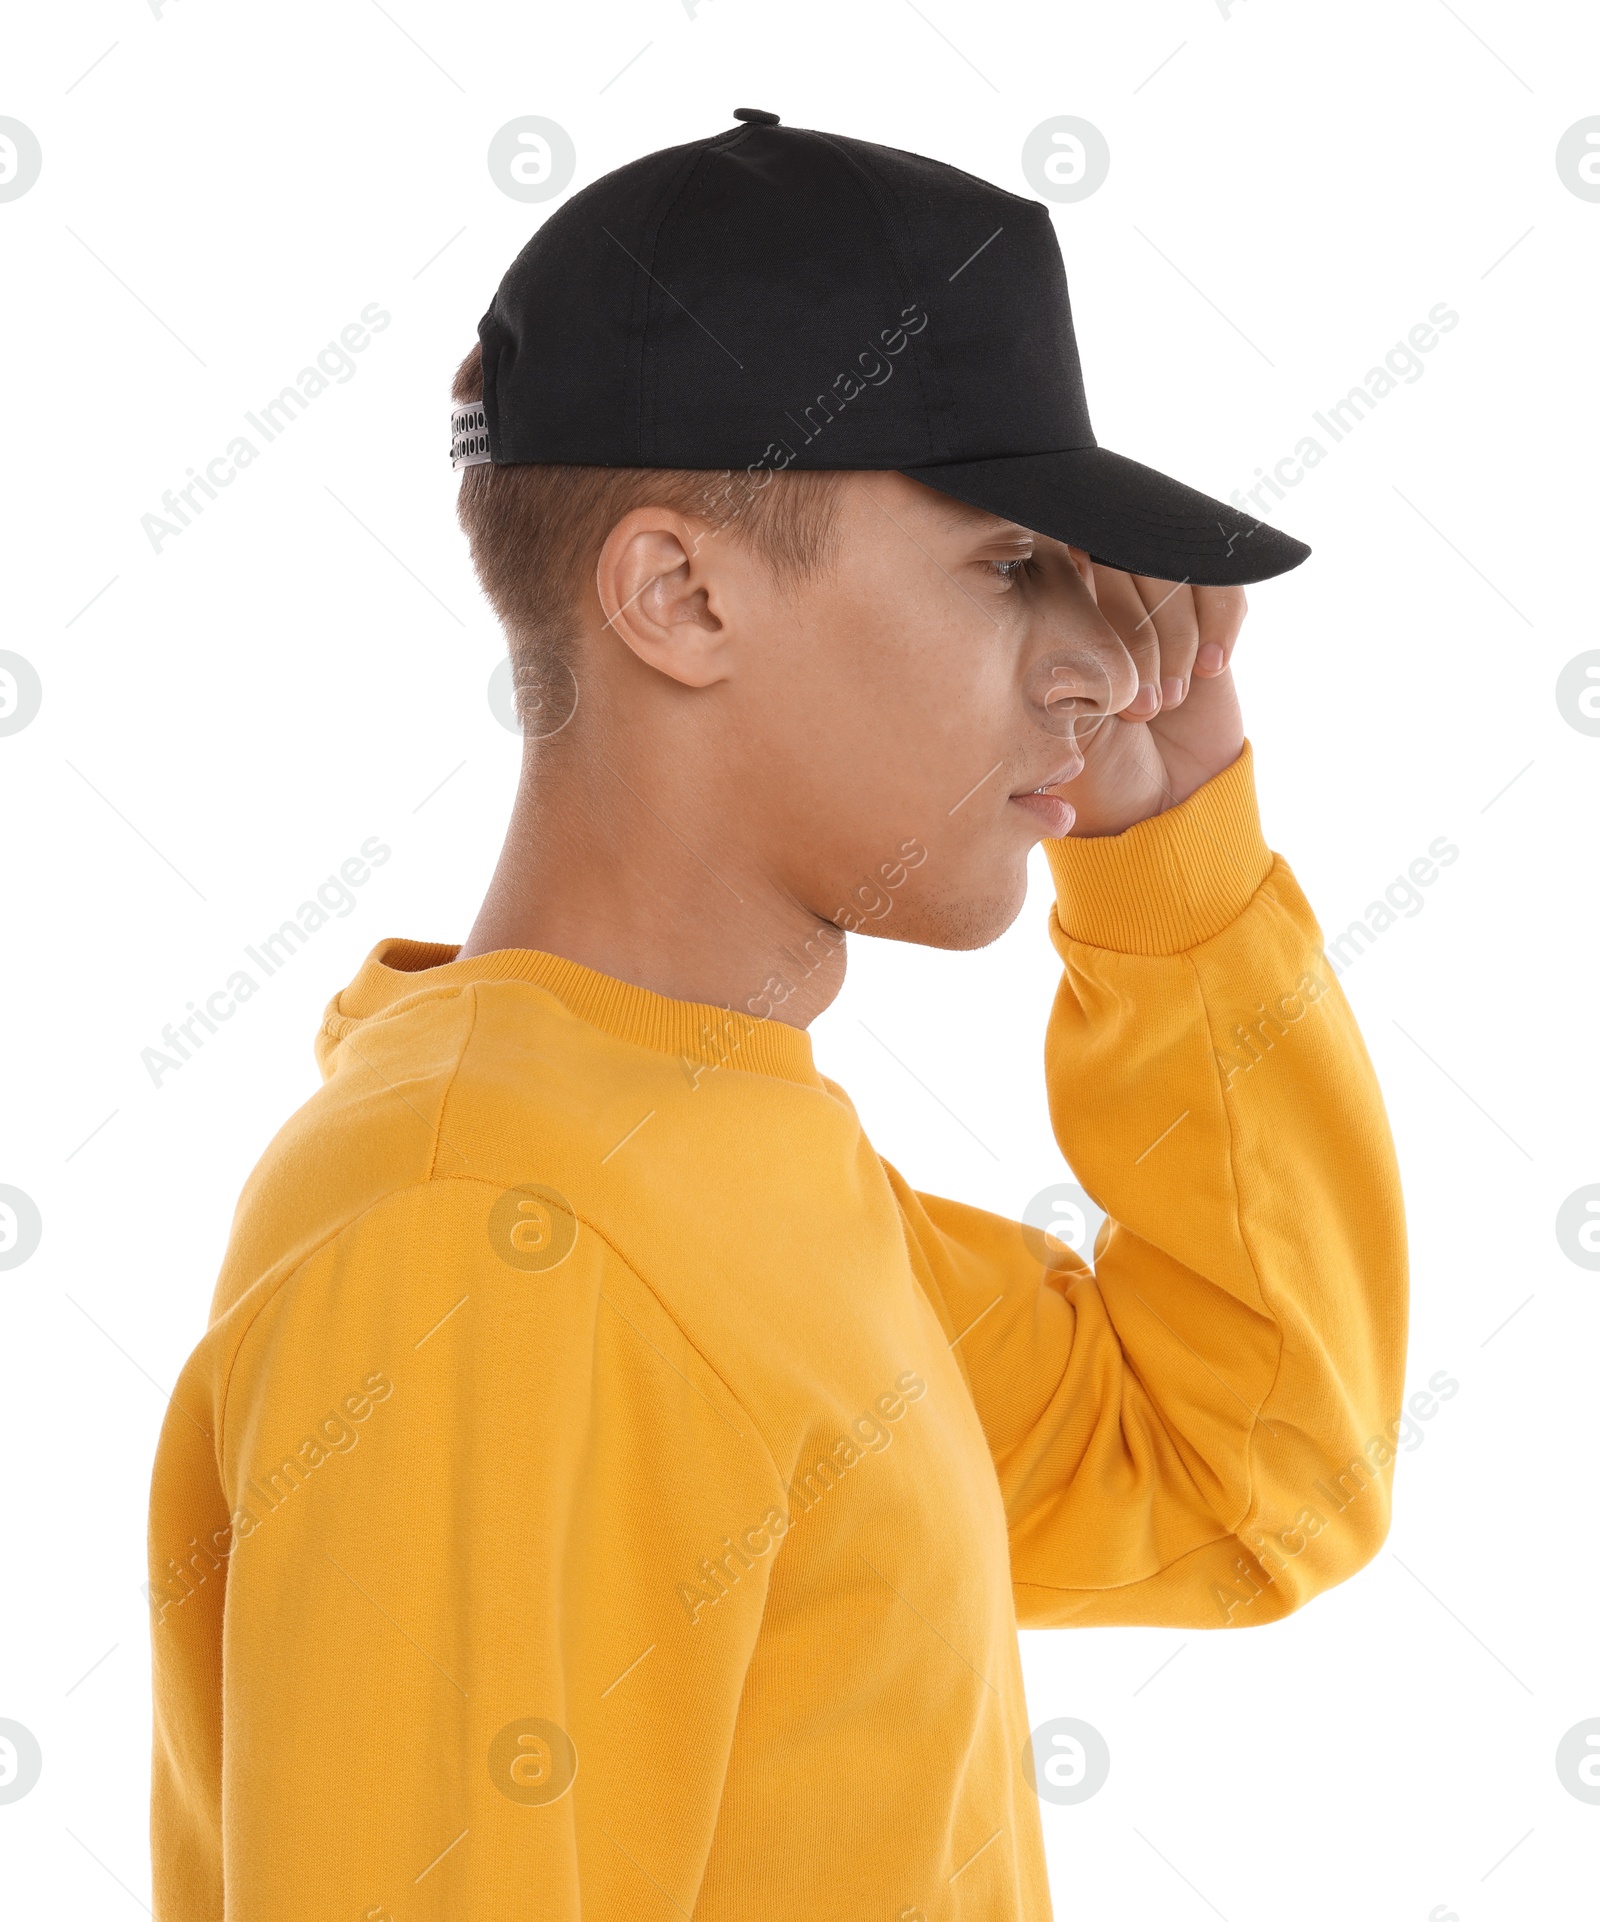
396	969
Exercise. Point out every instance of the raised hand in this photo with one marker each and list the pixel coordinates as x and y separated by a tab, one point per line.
1184	724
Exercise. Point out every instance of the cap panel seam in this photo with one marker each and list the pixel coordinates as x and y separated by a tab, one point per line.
881	200
646	356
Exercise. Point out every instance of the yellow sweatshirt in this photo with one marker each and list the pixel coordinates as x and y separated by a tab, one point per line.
608	1490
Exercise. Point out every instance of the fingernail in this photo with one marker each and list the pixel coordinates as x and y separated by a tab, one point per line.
1171	691
1147	700
1210	657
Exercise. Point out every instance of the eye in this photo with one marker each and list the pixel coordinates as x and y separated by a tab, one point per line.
1012	571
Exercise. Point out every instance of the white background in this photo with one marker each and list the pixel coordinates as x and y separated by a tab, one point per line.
224	722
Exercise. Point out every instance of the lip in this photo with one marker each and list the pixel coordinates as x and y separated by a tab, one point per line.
1056	815
1059	778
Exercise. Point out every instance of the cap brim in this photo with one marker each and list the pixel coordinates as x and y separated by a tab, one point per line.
1122	514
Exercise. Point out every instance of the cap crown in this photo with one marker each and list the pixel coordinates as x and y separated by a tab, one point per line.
859	306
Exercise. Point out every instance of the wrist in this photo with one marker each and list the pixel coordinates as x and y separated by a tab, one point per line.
1161	784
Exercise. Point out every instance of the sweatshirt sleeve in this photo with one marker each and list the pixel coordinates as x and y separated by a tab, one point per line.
1199	1430
434	1537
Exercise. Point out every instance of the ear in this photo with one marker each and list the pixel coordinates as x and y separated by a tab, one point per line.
660	596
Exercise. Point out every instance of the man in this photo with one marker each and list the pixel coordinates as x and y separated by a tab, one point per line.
607	1488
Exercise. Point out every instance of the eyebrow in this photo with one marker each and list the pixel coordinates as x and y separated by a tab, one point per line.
1008	534
960	513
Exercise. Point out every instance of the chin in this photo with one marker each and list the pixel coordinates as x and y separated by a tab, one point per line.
956	921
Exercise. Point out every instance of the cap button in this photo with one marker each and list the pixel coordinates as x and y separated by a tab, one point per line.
757	116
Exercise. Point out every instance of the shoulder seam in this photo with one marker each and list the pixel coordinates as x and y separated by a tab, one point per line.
471	998
436	1181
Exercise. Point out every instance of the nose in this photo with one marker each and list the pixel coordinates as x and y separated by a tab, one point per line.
1072	690
1081	673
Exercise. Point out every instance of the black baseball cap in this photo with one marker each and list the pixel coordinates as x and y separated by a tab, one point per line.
775	297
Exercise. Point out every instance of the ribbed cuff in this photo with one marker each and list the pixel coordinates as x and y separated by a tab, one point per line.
1172	881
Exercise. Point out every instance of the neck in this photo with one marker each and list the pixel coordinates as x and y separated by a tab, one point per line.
639	869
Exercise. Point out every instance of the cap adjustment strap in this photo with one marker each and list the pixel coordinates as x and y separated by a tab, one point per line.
469	436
